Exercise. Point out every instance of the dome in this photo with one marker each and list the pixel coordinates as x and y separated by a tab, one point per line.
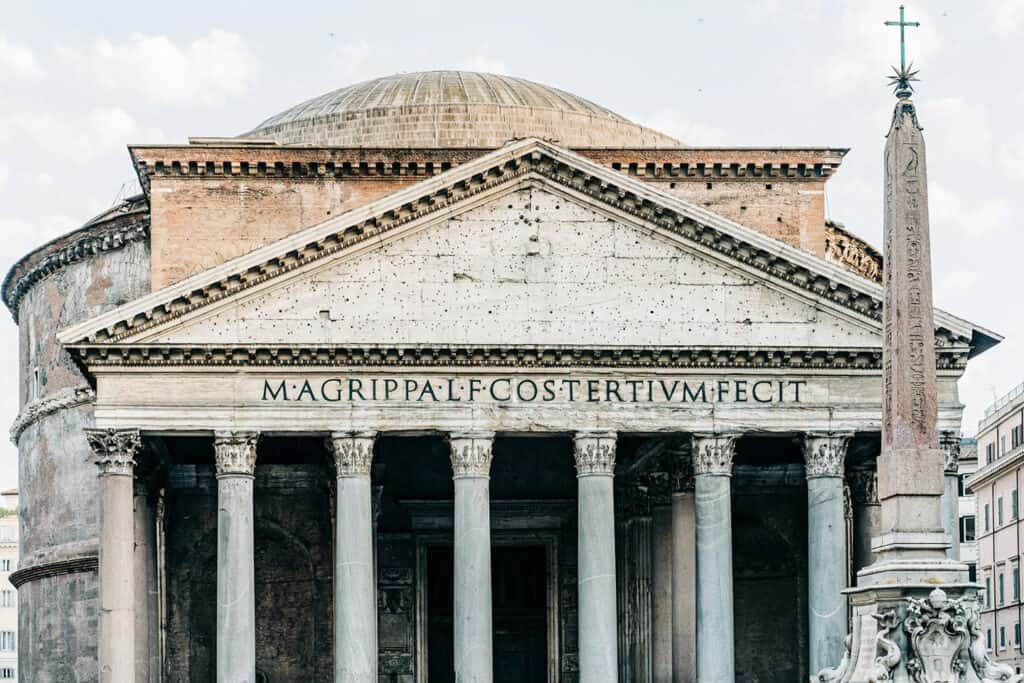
453	109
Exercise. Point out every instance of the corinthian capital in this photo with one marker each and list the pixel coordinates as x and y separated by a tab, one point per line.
115	449
595	453
825	453
471	453
353	453
950	444
713	453
235	453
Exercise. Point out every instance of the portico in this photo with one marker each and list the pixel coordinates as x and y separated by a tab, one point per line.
533	385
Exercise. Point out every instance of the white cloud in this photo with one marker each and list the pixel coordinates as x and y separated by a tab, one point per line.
23	235
350	58
675	123
954	285
1009	16
483	63
80	137
947	208
206	70
19	62
5	173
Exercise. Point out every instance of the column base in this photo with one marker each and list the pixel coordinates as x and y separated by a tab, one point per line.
910	627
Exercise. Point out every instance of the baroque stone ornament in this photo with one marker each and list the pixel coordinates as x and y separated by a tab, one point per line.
114	449
235	453
471	453
825	454
888	650
353	452
949	442
595	453
938	633
713	453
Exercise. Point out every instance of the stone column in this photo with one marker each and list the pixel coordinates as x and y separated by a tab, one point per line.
660	488
824	458
950	444
235	457
684	572
866	514
115	452
471	469
712	467
146	610
355	594
595	472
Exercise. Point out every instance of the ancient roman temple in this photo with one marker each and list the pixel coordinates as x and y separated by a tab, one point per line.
454	376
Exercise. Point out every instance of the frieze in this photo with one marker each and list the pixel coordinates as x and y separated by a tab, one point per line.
114	449
40	408
948	358
632	198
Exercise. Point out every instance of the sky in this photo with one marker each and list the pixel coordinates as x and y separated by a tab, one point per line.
80	81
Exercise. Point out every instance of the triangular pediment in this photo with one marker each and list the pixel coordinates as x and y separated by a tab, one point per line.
530	245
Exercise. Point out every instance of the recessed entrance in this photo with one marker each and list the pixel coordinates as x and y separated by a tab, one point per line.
520	589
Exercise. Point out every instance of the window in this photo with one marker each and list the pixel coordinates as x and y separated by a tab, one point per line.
1002	589
1013	504
1002	637
966	528
986	517
1016	584
990	454
1016	633
7	641
999	512
961	485
5	565
1016	436
972	572
1002	445
988	638
988	591
6	673
6	598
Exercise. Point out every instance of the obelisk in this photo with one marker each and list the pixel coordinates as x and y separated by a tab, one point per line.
915	614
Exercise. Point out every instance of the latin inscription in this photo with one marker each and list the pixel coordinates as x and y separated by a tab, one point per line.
527	390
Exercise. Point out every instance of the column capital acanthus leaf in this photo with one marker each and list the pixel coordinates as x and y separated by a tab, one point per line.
595	453
471	453
949	441
353	452
234	452
713	452
825	453
114	449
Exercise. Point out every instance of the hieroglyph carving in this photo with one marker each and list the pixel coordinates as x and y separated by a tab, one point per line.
471	454
114	449
595	453
353	453
235	453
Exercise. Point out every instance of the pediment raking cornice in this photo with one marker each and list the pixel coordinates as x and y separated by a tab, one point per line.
432	199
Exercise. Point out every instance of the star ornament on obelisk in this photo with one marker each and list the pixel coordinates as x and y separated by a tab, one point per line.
915	616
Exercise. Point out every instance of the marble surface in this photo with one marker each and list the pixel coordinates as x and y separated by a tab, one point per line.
598	628
236	607
117	583
684	589
355	632
715	646
826	544
474	651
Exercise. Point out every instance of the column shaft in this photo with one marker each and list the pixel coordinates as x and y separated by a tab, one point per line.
684	589
712	461
824	457
355	594
661	594
471	466
236	583
598	631
115	453
146	647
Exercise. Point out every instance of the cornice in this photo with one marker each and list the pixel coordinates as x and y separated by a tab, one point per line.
633	200
83	244
36	410
85	563
555	356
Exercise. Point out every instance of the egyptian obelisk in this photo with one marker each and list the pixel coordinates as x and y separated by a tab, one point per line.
915	614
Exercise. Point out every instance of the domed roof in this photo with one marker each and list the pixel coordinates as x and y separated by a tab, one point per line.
453	109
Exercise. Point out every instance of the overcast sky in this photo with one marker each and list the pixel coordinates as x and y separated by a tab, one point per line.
79	81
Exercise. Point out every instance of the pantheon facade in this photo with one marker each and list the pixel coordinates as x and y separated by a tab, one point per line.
452	376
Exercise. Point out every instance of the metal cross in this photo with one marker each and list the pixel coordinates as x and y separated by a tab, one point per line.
903	40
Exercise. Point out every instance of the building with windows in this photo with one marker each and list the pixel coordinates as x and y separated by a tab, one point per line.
450	371
9	530
1000	535
967	506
